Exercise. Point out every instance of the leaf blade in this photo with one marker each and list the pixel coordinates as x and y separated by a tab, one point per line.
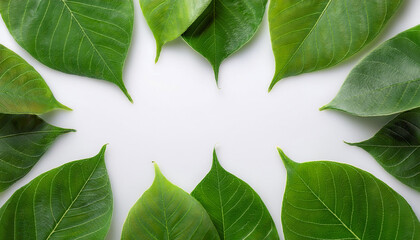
168	20
165	211
224	28
23	141
395	148
22	89
72	201
234	207
386	82
320	202
304	38
99	30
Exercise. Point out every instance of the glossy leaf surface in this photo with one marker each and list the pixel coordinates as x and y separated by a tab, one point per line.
22	89
234	207
88	38
309	35
23	141
224	27
396	147
166	212
169	19
386	82
327	200
73	201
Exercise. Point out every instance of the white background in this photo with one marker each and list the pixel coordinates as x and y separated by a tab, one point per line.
179	116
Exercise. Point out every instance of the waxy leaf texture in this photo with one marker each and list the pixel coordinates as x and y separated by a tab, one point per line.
22	89
224	27
23	141
234	207
386	82
309	35
396	147
73	201
166	212
168	20
88	38
327	200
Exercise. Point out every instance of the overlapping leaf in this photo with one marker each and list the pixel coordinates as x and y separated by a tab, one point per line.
169	19
167	212
327	200
23	141
22	89
234	207
308	36
73	201
88	38
386	82
396	147
224	28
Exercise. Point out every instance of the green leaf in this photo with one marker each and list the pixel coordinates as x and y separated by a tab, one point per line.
386	82
87	38
224	27
22	89
234	207
73	201
169	19
327	200
396	147
307	36
166	212
23	141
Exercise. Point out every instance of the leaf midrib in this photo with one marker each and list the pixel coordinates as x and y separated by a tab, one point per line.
326	206
90	41
76	198
221	203
28	133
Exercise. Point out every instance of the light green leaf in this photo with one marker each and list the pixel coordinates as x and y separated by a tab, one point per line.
22	89
308	35
87	38
234	207
327	200
23	141
166	212
73	201
396	147
224	28
169	19
386	82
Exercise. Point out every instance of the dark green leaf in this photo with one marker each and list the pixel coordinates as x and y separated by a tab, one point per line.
169	19
22	89
386	82
224	28
396	147
166	212
73	201
23	141
234	207
88	38
327	200
311	35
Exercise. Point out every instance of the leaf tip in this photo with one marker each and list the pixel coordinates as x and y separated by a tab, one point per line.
323	108
289	163
351	144
69	130
216	73
158	173
158	51
215	159
64	107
